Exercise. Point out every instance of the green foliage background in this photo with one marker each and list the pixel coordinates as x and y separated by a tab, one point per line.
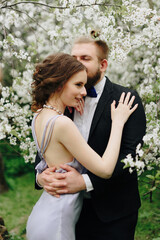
13	162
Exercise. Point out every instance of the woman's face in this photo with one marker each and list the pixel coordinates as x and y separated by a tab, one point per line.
74	89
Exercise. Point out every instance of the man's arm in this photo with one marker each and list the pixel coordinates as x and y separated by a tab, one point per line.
133	133
48	179
60	183
37	160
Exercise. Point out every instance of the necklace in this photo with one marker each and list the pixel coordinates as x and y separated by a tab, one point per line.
53	108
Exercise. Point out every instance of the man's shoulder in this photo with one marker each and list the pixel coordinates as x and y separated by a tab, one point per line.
118	89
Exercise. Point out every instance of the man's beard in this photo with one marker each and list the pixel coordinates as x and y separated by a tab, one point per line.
91	81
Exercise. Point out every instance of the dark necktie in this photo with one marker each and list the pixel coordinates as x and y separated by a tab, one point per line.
91	92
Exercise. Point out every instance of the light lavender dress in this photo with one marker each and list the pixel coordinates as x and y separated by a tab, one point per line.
53	218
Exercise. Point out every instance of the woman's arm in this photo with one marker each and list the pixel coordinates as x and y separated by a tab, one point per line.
68	135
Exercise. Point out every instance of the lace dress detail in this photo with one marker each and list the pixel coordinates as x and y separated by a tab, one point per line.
53	218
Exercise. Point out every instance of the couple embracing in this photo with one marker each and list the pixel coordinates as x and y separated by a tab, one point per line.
87	193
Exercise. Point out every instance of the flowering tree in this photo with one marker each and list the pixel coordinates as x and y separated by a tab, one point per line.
30	30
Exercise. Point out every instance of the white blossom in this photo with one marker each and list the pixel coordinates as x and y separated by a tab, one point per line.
133	36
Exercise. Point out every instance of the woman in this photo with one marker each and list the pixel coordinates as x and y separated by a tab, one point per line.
59	81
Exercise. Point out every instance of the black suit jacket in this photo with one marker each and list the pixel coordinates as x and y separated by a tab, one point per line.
119	195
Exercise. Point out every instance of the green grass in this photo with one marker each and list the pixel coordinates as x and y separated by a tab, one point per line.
17	203
148	227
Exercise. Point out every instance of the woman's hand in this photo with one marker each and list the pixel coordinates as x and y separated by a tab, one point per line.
124	109
80	106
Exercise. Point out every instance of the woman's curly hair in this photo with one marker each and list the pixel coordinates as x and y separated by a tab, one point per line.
51	75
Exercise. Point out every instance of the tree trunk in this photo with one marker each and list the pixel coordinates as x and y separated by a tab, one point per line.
3	184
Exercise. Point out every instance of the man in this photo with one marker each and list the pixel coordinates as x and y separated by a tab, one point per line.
110	209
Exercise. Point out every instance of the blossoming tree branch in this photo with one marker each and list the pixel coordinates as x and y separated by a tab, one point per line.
30	30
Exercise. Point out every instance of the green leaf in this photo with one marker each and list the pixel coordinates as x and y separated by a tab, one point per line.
150	177
14	133
152	189
157	174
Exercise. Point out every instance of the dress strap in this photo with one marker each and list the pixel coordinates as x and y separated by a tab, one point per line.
44	143
33	131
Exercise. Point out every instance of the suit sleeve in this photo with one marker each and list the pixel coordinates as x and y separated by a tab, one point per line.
133	133
37	160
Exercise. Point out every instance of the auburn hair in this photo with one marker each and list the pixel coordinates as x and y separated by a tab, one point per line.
51	75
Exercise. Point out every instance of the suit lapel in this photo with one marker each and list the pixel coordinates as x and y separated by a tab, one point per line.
104	100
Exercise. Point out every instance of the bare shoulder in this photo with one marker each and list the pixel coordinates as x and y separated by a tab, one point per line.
64	122
64	128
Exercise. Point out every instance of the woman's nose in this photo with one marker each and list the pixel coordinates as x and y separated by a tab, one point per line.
84	92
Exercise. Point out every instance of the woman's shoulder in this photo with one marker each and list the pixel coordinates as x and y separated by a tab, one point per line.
63	121
64	126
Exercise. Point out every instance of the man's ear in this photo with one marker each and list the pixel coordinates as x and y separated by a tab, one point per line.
104	65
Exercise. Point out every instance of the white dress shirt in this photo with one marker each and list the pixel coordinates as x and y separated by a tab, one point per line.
83	122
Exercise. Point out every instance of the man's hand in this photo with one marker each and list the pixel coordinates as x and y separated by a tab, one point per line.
49	176
61	183
73	179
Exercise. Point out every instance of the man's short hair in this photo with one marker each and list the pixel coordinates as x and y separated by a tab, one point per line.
103	49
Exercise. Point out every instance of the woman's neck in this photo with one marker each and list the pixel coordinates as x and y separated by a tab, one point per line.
57	104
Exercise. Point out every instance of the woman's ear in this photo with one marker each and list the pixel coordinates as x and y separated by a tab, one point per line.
104	65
